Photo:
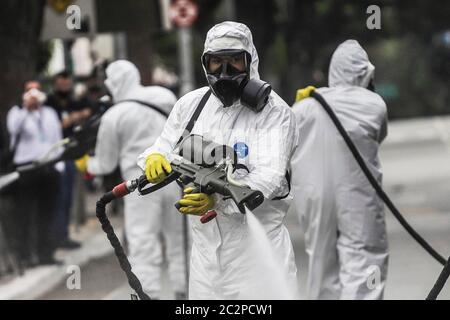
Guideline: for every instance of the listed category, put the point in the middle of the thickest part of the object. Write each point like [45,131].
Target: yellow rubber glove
[195,203]
[82,163]
[156,168]
[304,93]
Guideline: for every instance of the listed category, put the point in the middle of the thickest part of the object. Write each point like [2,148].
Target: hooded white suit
[265,142]
[125,130]
[341,213]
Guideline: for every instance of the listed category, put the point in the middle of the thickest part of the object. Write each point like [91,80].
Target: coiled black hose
[133,281]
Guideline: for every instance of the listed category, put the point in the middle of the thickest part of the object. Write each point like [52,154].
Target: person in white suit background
[343,217]
[126,129]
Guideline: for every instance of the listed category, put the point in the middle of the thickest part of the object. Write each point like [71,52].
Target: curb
[38,281]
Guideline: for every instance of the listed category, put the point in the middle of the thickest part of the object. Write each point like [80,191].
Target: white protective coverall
[219,263]
[342,215]
[125,130]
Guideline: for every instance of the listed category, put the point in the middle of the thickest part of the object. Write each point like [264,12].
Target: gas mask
[228,74]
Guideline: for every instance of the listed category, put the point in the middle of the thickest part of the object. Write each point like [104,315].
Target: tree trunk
[139,48]
[19,34]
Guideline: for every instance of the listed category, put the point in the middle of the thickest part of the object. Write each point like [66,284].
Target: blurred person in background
[343,217]
[70,113]
[33,129]
[91,97]
[8,195]
[127,128]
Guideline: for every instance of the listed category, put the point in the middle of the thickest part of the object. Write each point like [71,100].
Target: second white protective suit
[341,213]
[264,142]
[125,130]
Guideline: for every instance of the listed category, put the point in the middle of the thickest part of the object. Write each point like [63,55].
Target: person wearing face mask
[135,121]
[240,111]
[341,213]
[71,113]
[34,128]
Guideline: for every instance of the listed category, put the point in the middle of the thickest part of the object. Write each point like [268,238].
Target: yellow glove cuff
[304,93]
[82,163]
[195,203]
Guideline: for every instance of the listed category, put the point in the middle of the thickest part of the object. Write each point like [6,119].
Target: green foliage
[296,38]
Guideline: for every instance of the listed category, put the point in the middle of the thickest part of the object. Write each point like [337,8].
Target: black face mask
[63,94]
[371,86]
[227,88]
[227,83]
[230,85]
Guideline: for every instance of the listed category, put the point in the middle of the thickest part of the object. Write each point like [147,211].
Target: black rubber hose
[440,283]
[134,282]
[374,182]
[186,252]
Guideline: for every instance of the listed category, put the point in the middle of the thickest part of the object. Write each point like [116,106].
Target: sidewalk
[40,280]
[417,131]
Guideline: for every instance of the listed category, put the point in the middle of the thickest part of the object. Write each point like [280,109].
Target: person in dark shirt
[71,113]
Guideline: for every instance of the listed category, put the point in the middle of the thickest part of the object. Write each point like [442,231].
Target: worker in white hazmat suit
[126,129]
[343,218]
[264,143]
